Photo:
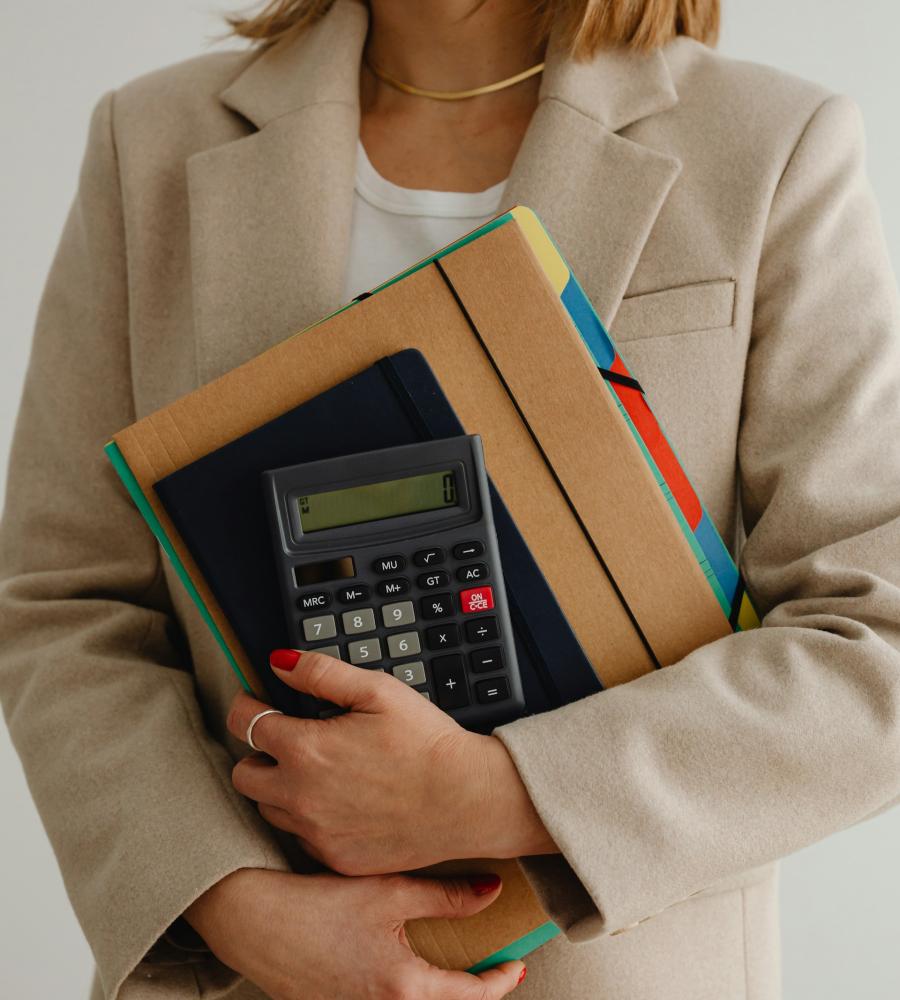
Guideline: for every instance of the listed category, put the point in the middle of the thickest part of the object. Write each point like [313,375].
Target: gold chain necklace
[454,95]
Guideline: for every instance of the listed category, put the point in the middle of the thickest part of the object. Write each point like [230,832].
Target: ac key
[442,636]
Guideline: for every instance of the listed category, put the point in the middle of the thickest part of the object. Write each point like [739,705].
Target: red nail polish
[522,975]
[284,659]
[483,884]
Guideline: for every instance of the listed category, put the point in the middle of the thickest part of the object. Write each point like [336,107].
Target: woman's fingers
[257,777]
[270,733]
[414,897]
[411,897]
[490,985]
[328,678]
[283,820]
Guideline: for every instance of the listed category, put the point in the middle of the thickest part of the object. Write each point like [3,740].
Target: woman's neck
[452,44]
[463,145]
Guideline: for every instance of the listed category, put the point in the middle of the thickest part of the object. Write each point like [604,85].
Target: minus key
[484,660]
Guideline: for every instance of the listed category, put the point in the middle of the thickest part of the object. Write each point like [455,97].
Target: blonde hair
[586,25]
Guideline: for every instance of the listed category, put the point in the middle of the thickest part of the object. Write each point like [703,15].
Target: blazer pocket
[704,305]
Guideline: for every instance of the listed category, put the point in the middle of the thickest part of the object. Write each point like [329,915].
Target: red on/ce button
[476,599]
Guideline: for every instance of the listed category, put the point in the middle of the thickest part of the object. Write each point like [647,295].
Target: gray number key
[401,613]
[334,651]
[410,673]
[364,651]
[362,620]
[404,644]
[321,627]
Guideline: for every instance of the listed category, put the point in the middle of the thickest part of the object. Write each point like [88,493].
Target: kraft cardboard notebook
[618,533]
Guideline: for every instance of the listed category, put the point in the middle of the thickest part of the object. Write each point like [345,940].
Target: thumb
[443,897]
[325,677]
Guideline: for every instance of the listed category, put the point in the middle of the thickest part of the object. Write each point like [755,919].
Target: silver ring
[253,721]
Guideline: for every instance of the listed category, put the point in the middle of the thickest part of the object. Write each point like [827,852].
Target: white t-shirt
[393,227]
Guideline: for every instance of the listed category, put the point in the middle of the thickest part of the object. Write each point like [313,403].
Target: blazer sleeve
[97,691]
[764,741]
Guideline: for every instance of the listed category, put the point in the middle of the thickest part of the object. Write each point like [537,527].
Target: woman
[719,217]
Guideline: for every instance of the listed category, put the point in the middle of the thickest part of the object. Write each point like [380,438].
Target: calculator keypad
[383,632]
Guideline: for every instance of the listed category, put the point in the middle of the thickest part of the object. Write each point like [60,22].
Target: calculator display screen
[376,501]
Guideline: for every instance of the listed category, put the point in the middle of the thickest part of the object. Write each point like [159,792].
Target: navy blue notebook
[217,505]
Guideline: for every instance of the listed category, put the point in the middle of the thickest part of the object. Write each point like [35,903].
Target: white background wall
[841,928]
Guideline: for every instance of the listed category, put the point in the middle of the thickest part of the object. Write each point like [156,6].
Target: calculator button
[353,595]
[410,673]
[401,613]
[473,573]
[476,599]
[364,651]
[425,695]
[428,581]
[355,622]
[321,627]
[314,601]
[493,690]
[334,651]
[483,661]
[393,588]
[437,606]
[450,681]
[429,557]
[403,644]
[482,630]
[468,550]
[442,636]
[386,565]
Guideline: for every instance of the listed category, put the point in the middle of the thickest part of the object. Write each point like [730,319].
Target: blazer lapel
[598,192]
[270,212]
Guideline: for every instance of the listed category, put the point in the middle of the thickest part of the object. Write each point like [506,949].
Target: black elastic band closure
[627,380]
[736,602]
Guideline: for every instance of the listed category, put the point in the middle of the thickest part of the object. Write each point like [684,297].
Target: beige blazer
[719,217]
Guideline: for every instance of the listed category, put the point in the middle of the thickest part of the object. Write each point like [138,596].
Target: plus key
[449,675]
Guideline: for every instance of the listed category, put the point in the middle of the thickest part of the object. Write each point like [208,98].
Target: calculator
[388,560]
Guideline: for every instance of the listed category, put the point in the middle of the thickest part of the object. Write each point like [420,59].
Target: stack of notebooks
[612,566]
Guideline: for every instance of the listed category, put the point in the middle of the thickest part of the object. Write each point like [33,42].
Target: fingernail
[483,884]
[522,975]
[284,659]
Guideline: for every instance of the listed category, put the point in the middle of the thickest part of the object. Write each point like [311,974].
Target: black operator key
[449,675]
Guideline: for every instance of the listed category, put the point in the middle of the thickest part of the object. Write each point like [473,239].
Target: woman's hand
[394,784]
[324,937]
